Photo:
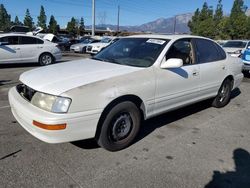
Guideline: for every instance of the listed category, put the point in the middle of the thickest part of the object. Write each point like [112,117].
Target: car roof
[16,34]
[167,36]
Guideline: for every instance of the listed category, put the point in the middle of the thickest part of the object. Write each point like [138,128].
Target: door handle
[195,73]
[223,67]
[16,48]
[39,47]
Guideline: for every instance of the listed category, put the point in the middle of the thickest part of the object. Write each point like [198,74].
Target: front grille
[25,91]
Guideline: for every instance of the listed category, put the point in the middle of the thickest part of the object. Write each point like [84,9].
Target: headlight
[238,52]
[51,103]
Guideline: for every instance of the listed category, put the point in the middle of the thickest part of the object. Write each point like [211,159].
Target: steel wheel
[46,59]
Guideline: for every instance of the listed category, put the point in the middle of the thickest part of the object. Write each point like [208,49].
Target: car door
[30,48]
[10,49]
[178,86]
[213,66]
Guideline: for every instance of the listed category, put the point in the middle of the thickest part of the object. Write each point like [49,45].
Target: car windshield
[87,41]
[235,44]
[138,52]
[105,40]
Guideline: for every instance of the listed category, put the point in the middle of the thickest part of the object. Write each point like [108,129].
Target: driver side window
[182,49]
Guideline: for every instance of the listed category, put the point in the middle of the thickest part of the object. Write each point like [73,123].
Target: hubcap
[121,127]
[46,60]
[224,92]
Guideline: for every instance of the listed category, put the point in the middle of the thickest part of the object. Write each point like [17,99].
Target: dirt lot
[198,146]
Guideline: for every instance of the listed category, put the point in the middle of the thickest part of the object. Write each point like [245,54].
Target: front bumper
[81,125]
[246,66]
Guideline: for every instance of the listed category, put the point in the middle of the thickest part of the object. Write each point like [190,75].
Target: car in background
[81,47]
[63,43]
[235,47]
[136,78]
[22,48]
[97,47]
[246,61]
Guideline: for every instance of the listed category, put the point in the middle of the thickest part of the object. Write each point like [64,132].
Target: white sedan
[94,48]
[108,96]
[21,48]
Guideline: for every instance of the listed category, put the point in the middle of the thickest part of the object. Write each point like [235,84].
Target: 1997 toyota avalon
[136,78]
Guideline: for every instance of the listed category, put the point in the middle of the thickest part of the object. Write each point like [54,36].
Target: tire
[224,94]
[120,127]
[46,59]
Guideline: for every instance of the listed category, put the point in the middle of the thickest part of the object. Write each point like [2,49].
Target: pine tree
[82,26]
[218,16]
[5,19]
[193,24]
[42,19]
[17,22]
[205,24]
[28,20]
[72,26]
[238,20]
[53,27]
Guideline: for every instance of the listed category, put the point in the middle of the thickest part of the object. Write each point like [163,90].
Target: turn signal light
[50,127]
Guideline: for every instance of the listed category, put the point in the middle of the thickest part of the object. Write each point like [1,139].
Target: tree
[28,20]
[17,22]
[72,26]
[218,16]
[5,19]
[193,24]
[53,27]
[81,26]
[42,19]
[238,20]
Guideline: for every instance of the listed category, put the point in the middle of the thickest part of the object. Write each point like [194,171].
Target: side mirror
[3,43]
[172,63]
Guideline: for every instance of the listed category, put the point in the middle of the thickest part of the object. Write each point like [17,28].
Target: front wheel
[120,127]
[46,59]
[224,94]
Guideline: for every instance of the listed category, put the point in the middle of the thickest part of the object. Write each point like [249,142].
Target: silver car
[81,47]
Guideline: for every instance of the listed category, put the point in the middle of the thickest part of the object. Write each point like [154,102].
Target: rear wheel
[224,94]
[46,59]
[120,127]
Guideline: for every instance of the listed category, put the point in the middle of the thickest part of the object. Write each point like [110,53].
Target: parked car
[246,61]
[235,47]
[21,48]
[81,47]
[108,96]
[63,43]
[94,48]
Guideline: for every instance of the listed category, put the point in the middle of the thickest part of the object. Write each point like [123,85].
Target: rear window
[235,44]
[208,51]
[31,40]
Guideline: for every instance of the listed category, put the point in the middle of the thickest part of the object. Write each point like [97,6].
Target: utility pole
[174,23]
[93,17]
[118,19]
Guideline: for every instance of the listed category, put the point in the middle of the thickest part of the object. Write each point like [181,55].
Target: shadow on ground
[152,124]
[239,178]
[18,65]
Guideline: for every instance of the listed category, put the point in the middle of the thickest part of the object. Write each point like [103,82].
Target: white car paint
[26,53]
[92,85]
[97,47]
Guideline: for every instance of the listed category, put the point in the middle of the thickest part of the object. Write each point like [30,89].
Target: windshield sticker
[156,41]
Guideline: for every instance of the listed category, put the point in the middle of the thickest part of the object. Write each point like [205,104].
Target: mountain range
[161,25]
[177,24]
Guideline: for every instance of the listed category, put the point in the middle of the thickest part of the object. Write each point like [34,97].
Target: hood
[59,78]
[231,50]
[101,44]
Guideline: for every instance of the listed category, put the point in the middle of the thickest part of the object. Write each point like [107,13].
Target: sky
[132,12]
